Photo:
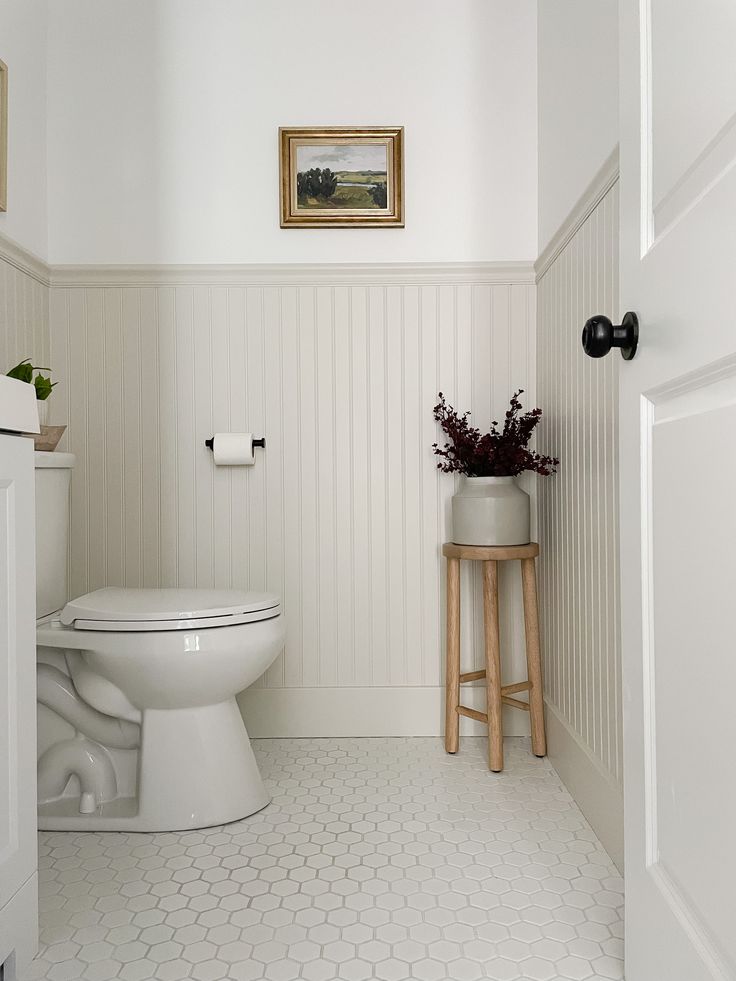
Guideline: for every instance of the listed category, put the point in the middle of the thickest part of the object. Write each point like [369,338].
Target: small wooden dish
[48,439]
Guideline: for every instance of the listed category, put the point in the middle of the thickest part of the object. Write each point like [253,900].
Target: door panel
[693,685]
[693,83]
[677,403]
[689,84]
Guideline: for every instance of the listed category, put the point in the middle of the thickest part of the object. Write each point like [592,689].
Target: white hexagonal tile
[377,859]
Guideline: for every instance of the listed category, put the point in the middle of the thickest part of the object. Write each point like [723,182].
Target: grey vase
[490,511]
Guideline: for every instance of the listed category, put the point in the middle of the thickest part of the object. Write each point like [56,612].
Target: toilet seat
[122,610]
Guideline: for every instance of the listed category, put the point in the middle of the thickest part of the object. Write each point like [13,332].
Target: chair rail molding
[295,274]
[24,261]
[264,274]
[598,188]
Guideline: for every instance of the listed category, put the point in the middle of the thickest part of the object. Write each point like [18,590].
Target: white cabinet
[18,847]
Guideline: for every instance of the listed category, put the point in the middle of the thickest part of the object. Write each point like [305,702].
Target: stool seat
[490,553]
[497,695]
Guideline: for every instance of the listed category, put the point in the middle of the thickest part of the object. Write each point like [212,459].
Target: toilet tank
[53,479]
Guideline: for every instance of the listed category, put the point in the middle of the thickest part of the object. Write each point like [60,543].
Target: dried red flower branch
[499,453]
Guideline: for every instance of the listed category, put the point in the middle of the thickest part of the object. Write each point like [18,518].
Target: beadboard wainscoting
[344,512]
[24,307]
[578,510]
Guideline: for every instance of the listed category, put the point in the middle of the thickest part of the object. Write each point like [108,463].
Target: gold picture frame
[3,136]
[342,177]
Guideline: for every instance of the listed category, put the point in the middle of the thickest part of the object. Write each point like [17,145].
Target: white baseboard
[594,789]
[302,712]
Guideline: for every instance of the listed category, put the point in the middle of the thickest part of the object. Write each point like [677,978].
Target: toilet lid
[116,608]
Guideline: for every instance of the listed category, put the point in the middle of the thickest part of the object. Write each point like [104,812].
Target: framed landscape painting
[332,176]
[3,136]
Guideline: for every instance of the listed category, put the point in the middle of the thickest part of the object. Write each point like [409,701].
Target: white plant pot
[490,511]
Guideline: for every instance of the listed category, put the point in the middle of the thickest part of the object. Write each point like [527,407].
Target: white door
[18,881]
[678,486]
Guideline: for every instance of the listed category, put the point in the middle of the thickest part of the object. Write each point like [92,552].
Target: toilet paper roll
[233,449]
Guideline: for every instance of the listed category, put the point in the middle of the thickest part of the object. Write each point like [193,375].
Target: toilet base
[196,770]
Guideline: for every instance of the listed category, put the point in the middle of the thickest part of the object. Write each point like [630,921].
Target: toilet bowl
[139,729]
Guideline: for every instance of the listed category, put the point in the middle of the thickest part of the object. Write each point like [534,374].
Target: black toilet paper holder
[210,443]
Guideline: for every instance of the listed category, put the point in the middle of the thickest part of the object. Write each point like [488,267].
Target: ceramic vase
[490,511]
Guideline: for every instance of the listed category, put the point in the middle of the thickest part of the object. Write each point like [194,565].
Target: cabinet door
[18,848]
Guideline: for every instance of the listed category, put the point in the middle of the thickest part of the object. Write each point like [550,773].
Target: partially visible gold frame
[3,136]
[293,217]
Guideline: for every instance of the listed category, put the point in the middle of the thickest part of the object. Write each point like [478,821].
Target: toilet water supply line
[82,756]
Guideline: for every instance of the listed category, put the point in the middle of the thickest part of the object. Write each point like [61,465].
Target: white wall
[23,49]
[578,101]
[163,118]
[344,512]
[24,294]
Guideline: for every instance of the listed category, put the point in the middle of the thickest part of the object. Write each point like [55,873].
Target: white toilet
[138,727]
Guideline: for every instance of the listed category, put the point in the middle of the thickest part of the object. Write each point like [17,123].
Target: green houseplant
[28,372]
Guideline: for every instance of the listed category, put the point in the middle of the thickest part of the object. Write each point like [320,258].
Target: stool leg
[493,666]
[533,657]
[452,669]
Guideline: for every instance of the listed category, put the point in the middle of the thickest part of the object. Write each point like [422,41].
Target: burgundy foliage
[499,453]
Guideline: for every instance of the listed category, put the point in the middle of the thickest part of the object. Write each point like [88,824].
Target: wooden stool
[497,694]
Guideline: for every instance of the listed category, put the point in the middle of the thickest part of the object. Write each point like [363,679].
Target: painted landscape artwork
[3,136]
[342,176]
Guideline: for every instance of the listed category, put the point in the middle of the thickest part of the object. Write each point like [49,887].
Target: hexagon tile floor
[378,859]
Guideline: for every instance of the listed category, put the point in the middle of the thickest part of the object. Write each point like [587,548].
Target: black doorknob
[600,335]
